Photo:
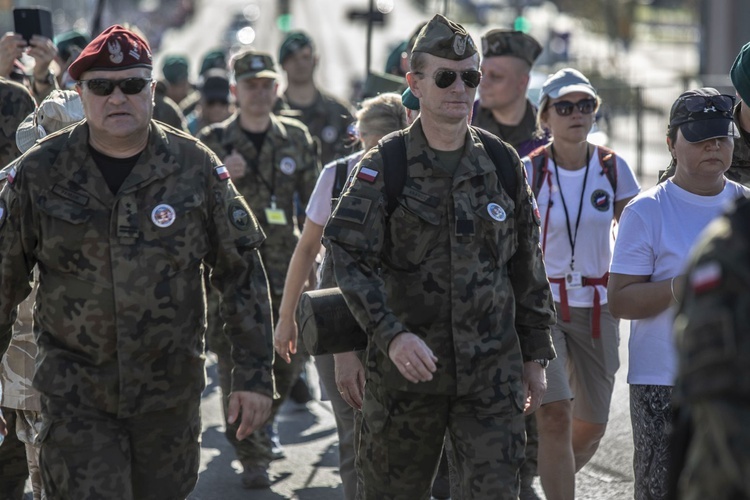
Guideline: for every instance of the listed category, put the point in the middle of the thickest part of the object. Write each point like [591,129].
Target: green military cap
[293,42]
[175,69]
[740,73]
[505,42]
[444,38]
[213,59]
[253,64]
[67,41]
[409,100]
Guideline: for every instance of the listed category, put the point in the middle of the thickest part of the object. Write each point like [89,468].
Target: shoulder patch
[352,209]
[3,213]
[221,172]
[367,174]
[705,277]
[239,215]
[11,175]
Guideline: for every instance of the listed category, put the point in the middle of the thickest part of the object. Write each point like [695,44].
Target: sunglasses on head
[444,78]
[104,87]
[700,103]
[565,108]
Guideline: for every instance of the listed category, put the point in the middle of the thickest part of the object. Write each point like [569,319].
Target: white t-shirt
[593,240]
[657,230]
[319,207]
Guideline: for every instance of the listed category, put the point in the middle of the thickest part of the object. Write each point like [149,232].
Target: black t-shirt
[114,170]
[256,138]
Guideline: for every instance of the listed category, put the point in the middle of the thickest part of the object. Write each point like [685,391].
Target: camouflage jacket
[16,104]
[287,164]
[523,137]
[120,311]
[457,263]
[712,321]
[328,121]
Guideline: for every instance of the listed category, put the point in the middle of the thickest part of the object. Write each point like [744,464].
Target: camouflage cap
[505,42]
[253,64]
[444,38]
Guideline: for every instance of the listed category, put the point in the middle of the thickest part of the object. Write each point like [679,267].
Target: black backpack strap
[500,155]
[393,151]
[341,177]
[608,161]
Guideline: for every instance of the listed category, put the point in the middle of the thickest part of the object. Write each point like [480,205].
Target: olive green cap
[253,64]
[442,37]
[175,68]
[504,42]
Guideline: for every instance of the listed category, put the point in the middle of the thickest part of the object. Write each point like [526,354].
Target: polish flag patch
[11,175]
[705,277]
[221,172]
[367,174]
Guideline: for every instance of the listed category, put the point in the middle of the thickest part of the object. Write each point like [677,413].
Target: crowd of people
[484,245]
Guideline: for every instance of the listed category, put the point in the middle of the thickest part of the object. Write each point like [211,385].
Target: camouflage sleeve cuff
[253,381]
[387,331]
[537,344]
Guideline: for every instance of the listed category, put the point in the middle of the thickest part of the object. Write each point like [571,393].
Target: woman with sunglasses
[578,204]
[657,231]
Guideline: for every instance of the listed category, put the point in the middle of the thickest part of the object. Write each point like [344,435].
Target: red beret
[115,48]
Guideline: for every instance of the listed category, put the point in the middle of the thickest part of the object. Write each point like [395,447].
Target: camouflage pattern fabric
[16,104]
[287,162]
[402,436]
[88,454]
[739,171]
[448,260]
[166,111]
[712,386]
[464,272]
[328,121]
[126,337]
[505,42]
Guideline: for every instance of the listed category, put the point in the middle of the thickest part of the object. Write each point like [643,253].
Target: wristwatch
[543,362]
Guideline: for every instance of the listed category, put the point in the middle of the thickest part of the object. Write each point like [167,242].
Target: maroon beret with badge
[116,48]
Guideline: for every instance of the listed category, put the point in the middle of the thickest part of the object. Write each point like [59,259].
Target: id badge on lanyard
[274,215]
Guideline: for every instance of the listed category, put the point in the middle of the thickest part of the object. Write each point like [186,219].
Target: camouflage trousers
[254,450]
[718,456]
[87,454]
[13,467]
[402,434]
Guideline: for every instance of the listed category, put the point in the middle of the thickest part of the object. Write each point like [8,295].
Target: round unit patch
[329,134]
[163,215]
[239,216]
[600,200]
[288,165]
[496,212]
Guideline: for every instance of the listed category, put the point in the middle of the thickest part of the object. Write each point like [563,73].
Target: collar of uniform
[417,150]
[157,161]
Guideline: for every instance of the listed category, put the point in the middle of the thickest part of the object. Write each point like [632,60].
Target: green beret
[409,100]
[504,42]
[67,41]
[253,64]
[294,41]
[214,59]
[740,73]
[444,38]
[175,69]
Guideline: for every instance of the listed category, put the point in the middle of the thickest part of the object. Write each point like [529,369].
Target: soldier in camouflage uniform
[326,117]
[15,103]
[121,214]
[271,159]
[504,110]
[712,390]
[451,289]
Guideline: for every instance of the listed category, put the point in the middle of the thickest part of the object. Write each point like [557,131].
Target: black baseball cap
[703,114]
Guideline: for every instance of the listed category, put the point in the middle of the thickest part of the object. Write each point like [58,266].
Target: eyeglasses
[444,78]
[104,87]
[700,103]
[565,108]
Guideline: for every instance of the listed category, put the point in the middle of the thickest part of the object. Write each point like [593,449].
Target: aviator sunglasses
[444,78]
[104,87]
[585,106]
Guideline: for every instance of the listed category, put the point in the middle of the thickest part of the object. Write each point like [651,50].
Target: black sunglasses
[700,103]
[444,78]
[103,87]
[565,108]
